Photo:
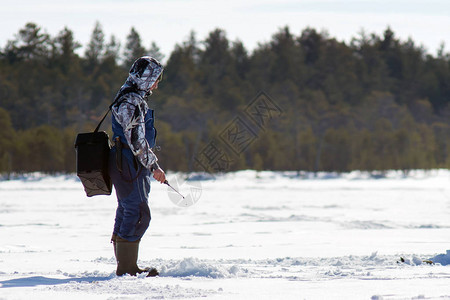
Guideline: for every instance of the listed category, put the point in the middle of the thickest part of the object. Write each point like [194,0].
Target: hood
[143,74]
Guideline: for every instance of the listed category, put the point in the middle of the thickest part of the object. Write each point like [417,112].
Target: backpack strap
[103,119]
[116,100]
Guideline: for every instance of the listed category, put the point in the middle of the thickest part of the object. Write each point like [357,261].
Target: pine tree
[155,52]
[133,48]
[64,50]
[112,50]
[30,44]
[96,47]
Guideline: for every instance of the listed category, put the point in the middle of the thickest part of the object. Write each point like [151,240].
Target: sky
[169,22]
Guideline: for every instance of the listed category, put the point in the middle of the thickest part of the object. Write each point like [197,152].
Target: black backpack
[92,150]
[93,155]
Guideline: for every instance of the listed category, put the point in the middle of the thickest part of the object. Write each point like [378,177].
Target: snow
[241,235]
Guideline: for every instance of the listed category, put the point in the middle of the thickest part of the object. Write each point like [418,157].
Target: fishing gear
[167,183]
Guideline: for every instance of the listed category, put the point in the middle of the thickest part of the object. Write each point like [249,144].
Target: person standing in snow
[132,161]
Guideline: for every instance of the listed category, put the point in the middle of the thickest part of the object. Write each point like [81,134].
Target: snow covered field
[270,235]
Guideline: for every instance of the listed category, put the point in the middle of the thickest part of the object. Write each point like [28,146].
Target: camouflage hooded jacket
[132,118]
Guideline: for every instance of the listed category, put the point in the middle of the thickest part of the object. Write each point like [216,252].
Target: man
[132,161]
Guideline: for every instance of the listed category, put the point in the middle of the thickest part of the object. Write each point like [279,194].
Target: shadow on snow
[41,280]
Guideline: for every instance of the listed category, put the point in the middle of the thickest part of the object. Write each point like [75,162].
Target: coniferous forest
[376,103]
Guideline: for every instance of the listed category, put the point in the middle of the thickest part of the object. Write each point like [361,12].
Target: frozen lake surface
[266,235]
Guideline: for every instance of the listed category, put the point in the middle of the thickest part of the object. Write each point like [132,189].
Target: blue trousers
[132,187]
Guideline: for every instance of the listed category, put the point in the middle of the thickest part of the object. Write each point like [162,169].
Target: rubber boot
[113,241]
[126,256]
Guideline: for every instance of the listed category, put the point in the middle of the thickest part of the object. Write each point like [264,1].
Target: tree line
[375,103]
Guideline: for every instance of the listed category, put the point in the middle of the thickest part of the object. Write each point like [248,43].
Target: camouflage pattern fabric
[131,108]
